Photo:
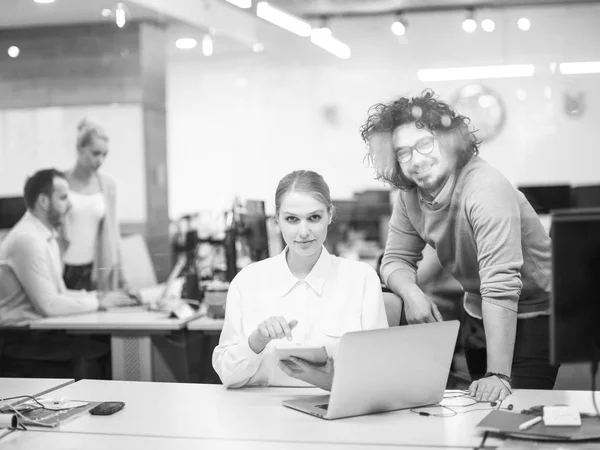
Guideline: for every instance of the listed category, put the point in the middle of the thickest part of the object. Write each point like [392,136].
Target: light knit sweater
[486,235]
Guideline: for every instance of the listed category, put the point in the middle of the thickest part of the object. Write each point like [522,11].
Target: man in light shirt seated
[31,283]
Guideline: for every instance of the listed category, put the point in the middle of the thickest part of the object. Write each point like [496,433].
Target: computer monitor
[255,221]
[585,196]
[547,198]
[11,211]
[575,300]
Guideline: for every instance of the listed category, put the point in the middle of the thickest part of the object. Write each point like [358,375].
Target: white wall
[37,138]
[236,126]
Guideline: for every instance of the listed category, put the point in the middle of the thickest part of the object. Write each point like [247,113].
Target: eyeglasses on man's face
[423,146]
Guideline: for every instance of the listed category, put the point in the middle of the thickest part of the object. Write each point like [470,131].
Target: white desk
[197,411]
[11,387]
[177,415]
[60,441]
[133,355]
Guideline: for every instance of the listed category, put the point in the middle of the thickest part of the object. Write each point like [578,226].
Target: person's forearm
[256,342]
[500,330]
[403,283]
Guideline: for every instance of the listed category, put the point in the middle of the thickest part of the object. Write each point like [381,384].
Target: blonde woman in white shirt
[303,296]
[91,231]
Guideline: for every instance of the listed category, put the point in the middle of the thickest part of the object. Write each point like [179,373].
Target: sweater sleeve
[404,246]
[494,215]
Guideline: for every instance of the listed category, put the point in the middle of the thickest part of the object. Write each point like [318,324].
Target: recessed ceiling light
[44,1]
[185,43]
[13,51]
[106,12]
[398,28]
[524,24]
[469,25]
[488,25]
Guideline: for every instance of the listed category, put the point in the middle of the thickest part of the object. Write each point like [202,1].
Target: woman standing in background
[91,231]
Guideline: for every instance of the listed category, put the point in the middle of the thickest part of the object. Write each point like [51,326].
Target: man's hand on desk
[319,376]
[489,389]
[115,299]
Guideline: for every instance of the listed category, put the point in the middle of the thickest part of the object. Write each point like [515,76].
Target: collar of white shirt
[315,279]
[40,227]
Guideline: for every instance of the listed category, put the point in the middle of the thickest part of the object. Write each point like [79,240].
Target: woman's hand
[320,376]
[489,389]
[275,327]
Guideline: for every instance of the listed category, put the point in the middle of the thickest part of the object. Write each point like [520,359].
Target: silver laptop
[387,369]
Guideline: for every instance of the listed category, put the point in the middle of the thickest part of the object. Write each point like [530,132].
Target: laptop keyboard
[323,406]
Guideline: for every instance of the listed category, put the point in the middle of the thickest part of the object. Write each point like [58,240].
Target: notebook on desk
[504,422]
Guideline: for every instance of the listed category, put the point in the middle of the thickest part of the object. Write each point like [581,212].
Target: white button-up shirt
[336,297]
[31,284]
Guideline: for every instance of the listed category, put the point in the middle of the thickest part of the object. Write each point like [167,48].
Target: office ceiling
[237,30]
[312,8]
[27,13]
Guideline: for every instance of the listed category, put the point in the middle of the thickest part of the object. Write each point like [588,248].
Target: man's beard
[55,218]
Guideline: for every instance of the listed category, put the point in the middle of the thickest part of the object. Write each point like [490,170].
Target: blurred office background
[208,105]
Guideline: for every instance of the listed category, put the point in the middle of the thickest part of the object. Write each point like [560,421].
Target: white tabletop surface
[256,414]
[125,319]
[60,441]
[11,387]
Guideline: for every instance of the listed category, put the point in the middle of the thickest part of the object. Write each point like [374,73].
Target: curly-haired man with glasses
[484,232]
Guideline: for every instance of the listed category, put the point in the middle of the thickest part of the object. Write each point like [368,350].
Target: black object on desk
[107,408]
[507,423]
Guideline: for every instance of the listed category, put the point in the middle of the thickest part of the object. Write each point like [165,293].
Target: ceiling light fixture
[477,73]
[186,43]
[283,19]
[121,14]
[524,24]
[13,51]
[207,45]
[323,38]
[577,68]
[244,4]
[469,24]
[399,26]
[106,12]
[43,1]
[488,25]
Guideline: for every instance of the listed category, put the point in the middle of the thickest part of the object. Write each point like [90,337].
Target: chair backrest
[393,308]
[138,269]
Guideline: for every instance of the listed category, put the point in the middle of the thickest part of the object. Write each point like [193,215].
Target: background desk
[134,354]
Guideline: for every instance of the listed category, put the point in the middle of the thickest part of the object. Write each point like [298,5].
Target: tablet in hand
[314,355]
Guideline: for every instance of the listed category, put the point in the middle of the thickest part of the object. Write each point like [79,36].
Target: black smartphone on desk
[107,408]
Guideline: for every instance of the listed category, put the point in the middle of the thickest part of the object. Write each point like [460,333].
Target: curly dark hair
[425,111]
